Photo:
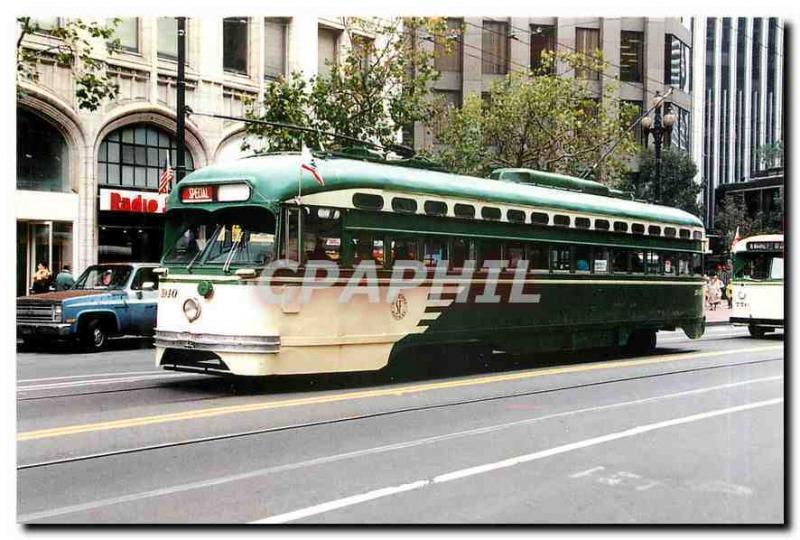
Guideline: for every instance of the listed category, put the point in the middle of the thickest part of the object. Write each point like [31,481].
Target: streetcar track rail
[378,414]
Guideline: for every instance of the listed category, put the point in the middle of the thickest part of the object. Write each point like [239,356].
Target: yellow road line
[383,392]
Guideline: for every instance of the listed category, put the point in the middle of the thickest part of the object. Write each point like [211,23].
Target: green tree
[542,121]
[770,155]
[369,95]
[732,215]
[76,50]
[678,188]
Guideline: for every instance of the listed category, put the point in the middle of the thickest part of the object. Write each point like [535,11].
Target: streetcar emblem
[399,307]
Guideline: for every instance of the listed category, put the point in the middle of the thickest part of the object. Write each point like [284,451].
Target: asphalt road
[691,434]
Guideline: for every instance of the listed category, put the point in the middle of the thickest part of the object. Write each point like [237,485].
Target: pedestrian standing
[41,279]
[64,279]
[715,292]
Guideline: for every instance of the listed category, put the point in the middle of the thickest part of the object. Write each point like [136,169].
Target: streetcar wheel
[642,342]
[756,332]
[94,336]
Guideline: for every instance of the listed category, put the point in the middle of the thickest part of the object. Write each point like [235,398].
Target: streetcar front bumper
[191,341]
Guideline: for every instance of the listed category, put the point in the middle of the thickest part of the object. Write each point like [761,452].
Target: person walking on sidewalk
[64,279]
[714,292]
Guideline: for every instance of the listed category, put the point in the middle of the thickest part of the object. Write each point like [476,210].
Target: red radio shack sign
[124,200]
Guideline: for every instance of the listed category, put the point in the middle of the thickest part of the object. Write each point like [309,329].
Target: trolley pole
[180,113]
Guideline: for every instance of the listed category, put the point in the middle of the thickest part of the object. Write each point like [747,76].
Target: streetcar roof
[742,245]
[275,178]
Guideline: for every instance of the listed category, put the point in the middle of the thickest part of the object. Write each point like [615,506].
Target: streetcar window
[404,249]
[244,237]
[540,218]
[683,264]
[515,252]
[561,220]
[560,258]
[670,232]
[435,208]
[490,251]
[517,216]
[697,264]
[620,226]
[367,247]
[637,228]
[637,262]
[292,232]
[653,262]
[434,250]
[685,233]
[669,263]
[192,237]
[583,258]
[621,261]
[464,211]
[776,270]
[401,204]
[654,230]
[490,212]
[697,235]
[462,250]
[582,222]
[601,255]
[601,224]
[367,201]
[322,234]
[537,255]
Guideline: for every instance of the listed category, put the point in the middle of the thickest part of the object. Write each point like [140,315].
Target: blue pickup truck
[106,300]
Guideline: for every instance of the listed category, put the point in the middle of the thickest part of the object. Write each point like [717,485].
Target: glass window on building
[327,49]
[448,49]
[682,129]
[677,63]
[42,154]
[587,42]
[634,110]
[495,46]
[631,56]
[363,48]
[167,28]
[543,38]
[127,31]
[234,44]
[275,47]
[135,156]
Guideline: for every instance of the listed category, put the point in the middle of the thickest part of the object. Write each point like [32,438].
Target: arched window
[136,155]
[42,154]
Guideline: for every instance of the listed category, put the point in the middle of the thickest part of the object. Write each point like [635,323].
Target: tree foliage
[732,213]
[678,188]
[770,155]
[369,95]
[76,50]
[540,120]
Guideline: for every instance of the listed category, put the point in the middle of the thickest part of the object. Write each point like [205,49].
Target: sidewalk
[718,316]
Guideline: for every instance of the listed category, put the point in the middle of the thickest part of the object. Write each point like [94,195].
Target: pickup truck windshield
[104,277]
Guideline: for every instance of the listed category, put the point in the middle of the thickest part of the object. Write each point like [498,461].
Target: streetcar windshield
[240,237]
[758,266]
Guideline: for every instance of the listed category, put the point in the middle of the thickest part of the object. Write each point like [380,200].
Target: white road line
[359,453]
[511,462]
[72,384]
[89,375]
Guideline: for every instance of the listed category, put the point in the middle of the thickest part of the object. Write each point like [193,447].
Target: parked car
[106,300]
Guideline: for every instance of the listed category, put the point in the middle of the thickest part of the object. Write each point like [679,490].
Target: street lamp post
[659,126]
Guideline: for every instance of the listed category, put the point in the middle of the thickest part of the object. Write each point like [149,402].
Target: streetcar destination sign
[765,246]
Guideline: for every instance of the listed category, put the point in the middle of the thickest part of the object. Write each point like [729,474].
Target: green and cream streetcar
[758,283]
[599,269]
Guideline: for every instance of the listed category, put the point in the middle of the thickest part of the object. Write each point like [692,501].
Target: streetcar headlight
[191,308]
[742,295]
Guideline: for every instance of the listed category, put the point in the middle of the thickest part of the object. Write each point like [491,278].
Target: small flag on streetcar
[736,238]
[308,163]
[165,180]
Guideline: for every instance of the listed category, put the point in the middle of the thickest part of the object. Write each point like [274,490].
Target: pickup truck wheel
[94,336]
